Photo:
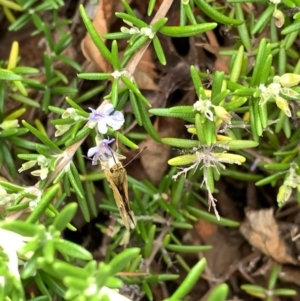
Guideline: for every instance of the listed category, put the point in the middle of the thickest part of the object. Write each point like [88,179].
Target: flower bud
[246,116]
[146,31]
[124,29]
[27,165]
[9,124]
[289,93]
[279,18]
[282,104]
[223,138]
[289,79]
[69,113]
[218,123]
[183,160]
[222,114]
[284,194]
[42,173]
[42,161]
[229,158]
[61,129]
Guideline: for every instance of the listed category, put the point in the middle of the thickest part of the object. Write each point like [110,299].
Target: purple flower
[101,152]
[104,118]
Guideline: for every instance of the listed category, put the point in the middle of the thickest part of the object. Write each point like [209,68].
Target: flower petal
[103,145]
[107,109]
[209,115]
[102,127]
[112,295]
[116,120]
[92,151]
[15,243]
[95,159]
[117,115]
[95,115]
[114,124]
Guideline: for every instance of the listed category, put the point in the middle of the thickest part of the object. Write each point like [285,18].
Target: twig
[258,156]
[161,13]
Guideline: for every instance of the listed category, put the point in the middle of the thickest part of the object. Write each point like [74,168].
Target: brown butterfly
[117,178]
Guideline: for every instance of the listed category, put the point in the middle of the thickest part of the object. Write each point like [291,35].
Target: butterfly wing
[120,192]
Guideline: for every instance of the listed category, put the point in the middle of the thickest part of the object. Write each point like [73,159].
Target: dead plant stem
[161,13]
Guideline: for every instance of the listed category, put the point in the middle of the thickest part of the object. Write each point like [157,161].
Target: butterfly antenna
[112,153]
[136,156]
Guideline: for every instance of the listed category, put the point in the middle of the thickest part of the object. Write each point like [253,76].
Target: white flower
[147,31]
[11,243]
[273,91]
[204,107]
[112,294]
[43,162]
[101,152]
[104,118]
[133,30]
[61,129]
[117,74]
[71,113]
[27,165]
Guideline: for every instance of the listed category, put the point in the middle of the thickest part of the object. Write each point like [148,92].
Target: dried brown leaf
[101,22]
[220,239]
[145,73]
[262,232]
[144,81]
[146,64]
[290,274]
[154,159]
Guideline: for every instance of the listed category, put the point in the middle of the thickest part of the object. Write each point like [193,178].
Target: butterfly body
[117,178]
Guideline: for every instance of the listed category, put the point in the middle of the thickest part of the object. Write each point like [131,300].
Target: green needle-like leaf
[187,249]
[180,143]
[190,280]
[65,216]
[41,207]
[71,249]
[9,75]
[216,15]
[149,244]
[187,31]
[212,218]
[219,293]
[42,137]
[94,35]
[75,181]
[120,261]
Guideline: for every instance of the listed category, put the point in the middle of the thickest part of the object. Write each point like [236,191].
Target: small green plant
[253,105]
[270,293]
